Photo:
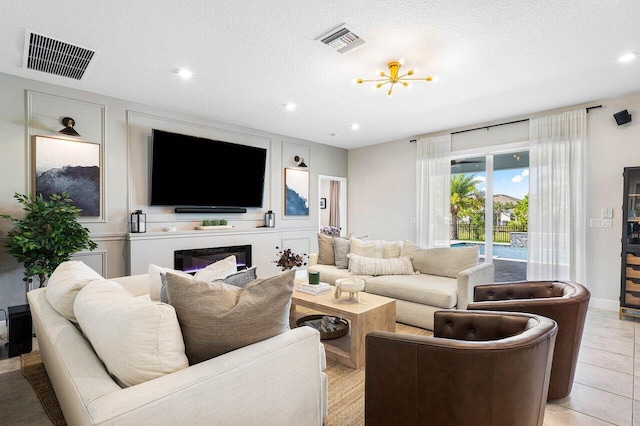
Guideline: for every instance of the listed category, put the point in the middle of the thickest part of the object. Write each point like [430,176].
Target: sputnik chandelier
[393,77]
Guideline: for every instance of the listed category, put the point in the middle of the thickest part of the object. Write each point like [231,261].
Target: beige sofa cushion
[424,289]
[391,249]
[360,265]
[217,318]
[136,339]
[442,261]
[64,284]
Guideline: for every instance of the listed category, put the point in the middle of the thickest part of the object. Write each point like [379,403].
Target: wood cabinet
[630,275]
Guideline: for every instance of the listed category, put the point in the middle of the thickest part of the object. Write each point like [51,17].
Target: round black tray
[343,326]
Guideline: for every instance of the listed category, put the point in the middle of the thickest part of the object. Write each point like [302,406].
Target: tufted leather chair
[480,368]
[563,301]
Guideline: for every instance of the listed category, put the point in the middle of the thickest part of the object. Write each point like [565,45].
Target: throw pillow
[217,318]
[360,265]
[241,278]
[157,283]
[136,339]
[218,270]
[325,250]
[341,250]
[64,284]
[373,248]
[391,249]
[443,261]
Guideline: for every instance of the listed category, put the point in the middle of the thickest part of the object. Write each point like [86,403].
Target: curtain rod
[504,124]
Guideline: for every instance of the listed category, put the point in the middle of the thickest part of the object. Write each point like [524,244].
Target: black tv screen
[193,171]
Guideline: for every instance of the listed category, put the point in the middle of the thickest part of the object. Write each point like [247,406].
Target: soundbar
[210,210]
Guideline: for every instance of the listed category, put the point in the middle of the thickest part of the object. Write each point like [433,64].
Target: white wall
[382,185]
[122,128]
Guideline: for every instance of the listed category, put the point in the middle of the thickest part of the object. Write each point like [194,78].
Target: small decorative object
[330,327]
[351,285]
[47,235]
[323,203]
[289,260]
[269,219]
[138,222]
[314,277]
[214,224]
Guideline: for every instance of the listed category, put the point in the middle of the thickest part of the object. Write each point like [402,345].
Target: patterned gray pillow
[341,249]
[216,318]
[240,278]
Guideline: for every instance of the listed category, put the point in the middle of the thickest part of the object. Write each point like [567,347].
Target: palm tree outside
[464,198]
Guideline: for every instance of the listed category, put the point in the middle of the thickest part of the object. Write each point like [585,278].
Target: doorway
[332,206]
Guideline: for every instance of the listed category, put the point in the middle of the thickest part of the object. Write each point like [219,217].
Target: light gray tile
[613,333]
[622,347]
[614,323]
[557,415]
[604,379]
[599,404]
[605,359]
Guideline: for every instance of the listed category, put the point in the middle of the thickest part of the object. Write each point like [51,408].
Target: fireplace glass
[193,260]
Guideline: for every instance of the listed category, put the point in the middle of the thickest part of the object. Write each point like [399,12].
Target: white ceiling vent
[341,39]
[45,54]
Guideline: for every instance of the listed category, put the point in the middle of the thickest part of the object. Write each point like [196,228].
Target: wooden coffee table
[372,313]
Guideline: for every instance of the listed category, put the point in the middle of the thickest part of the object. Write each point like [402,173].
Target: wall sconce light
[68,124]
[299,161]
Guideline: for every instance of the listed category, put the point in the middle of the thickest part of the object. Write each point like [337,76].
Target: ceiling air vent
[53,56]
[341,39]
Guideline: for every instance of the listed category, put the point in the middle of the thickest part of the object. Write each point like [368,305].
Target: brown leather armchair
[480,368]
[563,301]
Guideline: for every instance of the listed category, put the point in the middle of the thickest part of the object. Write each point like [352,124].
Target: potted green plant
[47,235]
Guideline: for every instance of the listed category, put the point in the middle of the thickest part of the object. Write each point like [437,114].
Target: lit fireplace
[193,260]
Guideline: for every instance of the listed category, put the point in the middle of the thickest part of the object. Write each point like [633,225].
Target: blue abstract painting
[296,184]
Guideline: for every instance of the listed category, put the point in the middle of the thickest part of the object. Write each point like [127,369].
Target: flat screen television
[193,171]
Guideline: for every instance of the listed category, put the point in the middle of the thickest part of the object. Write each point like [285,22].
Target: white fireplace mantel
[158,247]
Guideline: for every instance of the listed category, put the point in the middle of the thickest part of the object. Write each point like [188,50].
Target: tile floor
[606,389]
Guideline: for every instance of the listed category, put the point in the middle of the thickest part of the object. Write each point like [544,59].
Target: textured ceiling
[494,59]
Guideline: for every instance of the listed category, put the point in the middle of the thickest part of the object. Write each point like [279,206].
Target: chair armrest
[313,259]
[483,273]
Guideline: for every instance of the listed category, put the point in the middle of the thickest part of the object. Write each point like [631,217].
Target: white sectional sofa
[277,381]
[440,278]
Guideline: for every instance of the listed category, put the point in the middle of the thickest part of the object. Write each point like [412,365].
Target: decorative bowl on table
[330,327]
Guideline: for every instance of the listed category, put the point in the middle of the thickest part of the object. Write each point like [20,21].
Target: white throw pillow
[218,270]
[155,280]
[136,339]
[64,284]
[391,249]
[360,265]
[373,248]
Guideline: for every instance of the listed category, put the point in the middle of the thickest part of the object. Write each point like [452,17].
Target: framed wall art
[296,187]
[71,166]
[323,203]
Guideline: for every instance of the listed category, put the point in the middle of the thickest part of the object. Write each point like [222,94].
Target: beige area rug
[346,387]
[33,370]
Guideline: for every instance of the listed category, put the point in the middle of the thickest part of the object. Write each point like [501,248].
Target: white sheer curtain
[433,172]
[557,197]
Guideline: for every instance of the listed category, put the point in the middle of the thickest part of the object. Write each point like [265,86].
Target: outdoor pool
[501,251]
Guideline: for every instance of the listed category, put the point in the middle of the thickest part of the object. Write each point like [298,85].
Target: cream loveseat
[421,281]
[276,381]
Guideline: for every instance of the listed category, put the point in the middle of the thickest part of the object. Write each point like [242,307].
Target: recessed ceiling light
[628,57]
[355,126]
[185,73]
[290,106]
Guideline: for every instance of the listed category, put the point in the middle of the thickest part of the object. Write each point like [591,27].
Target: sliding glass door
[489,206]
